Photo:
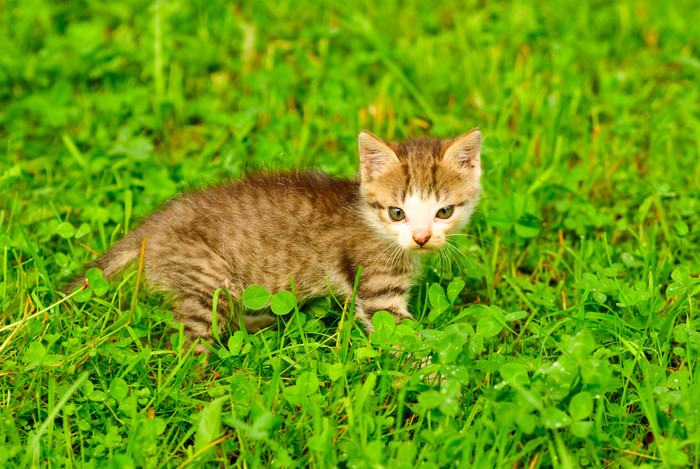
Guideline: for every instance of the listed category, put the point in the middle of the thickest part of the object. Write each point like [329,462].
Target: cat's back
[283,194]
[257,205]
[317,187]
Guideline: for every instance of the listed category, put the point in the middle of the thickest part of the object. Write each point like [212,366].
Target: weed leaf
[282,302]
[256,297]
[209,424]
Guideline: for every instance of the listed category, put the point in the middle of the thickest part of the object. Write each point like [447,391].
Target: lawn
[562,332]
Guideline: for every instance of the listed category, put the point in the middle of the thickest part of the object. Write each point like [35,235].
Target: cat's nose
[421,238]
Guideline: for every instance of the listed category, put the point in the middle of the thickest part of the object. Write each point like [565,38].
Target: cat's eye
[396,214]
[445,212]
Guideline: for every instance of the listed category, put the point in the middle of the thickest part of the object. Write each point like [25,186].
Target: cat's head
[419,191]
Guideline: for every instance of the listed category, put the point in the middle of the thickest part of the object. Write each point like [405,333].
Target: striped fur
[307,226]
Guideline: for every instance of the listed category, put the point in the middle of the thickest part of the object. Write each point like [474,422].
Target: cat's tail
[115,260]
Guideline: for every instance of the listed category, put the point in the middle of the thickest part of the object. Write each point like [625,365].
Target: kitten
[265,229]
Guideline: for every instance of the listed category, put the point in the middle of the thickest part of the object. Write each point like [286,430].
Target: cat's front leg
[366,308]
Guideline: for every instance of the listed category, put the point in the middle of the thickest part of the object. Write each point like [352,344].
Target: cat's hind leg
[196,315]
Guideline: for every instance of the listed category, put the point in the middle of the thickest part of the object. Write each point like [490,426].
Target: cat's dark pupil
[396,214]
[445,212]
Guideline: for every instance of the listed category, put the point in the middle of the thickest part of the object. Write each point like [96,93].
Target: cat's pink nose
[421,238]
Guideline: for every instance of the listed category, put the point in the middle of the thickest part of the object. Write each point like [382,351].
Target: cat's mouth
[424,249]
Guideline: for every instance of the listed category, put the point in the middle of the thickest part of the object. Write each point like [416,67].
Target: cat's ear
[375,154]
[465,151]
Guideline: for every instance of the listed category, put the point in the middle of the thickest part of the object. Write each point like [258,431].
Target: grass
[575,340]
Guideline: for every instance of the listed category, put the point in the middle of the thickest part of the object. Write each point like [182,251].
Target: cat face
[420,191]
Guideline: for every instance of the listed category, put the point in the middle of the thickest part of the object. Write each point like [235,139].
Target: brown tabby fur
[307,226]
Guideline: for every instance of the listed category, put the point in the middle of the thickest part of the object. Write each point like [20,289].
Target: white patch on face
[422,226]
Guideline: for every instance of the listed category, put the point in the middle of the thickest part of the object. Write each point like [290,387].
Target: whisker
[464,256]
[467,235]
[446,261]
[449,259]
[455,257]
